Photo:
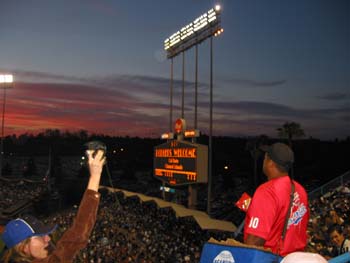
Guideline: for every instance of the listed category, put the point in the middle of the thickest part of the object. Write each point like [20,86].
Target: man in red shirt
[268,210]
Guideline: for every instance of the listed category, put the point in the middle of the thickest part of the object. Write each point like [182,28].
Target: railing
[331,185]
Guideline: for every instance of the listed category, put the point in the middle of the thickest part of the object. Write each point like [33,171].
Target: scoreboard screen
[180,162]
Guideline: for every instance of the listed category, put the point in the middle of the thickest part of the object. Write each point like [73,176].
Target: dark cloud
[155,106]
[277,110]
[336,96]
[252,83]
[157,85]
[34,106]
[259,108]
[346,118]
[134,83]
[135,105]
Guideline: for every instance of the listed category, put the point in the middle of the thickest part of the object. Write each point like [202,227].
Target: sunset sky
[99,65]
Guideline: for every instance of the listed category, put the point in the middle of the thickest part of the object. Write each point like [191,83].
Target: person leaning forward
[268,210]
[27,239]
[338,239]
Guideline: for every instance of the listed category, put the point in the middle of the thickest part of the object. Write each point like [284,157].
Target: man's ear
[270,163]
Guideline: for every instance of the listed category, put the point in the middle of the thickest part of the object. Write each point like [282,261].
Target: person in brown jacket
[27,239]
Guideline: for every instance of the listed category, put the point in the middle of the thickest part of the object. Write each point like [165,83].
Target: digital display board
[181,162]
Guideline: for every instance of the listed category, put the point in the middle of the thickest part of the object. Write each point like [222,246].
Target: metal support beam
[183,86]
[2,133]
[210,161]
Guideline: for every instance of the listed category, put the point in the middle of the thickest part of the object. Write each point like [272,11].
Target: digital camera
[95,146]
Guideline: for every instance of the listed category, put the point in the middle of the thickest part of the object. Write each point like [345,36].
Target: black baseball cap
[280,153]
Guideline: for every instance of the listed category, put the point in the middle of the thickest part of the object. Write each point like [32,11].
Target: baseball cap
[20,229]
[280,153]
[303,257]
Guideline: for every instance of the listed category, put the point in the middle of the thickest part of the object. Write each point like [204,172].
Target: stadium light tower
[205,26]
[6,81]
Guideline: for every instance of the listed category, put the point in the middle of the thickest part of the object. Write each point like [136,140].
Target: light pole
[6,81]
[203,27]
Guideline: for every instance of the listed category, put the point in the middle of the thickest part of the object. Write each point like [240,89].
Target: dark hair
[320,241]
[335,227]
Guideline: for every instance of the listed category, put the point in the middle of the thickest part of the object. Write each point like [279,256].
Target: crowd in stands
[12,192]
[133,231]
[327,211]
[128,230]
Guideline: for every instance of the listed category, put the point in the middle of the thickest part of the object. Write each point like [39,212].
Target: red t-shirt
[267,213]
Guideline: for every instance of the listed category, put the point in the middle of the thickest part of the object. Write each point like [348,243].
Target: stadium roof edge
[202,219]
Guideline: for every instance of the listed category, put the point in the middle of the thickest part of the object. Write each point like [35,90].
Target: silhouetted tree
[290,130]
[83,135]
[52,133]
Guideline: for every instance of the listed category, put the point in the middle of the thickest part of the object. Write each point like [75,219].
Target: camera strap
[291,198]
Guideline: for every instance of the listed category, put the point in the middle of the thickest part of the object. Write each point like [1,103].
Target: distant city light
[167,189]
[167,136]
[7,78]
[191,133]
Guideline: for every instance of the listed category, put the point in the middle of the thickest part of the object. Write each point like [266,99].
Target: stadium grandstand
[133,227]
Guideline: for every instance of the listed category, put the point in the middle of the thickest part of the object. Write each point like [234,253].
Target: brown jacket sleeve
[76,237]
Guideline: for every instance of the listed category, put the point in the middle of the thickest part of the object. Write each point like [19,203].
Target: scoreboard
[181,162]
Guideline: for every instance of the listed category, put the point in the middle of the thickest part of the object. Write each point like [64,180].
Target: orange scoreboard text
[180,162]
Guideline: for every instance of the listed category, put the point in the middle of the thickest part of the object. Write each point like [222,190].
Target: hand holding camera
[94,146]
[95,152]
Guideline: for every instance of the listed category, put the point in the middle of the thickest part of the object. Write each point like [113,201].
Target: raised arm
[95,167]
